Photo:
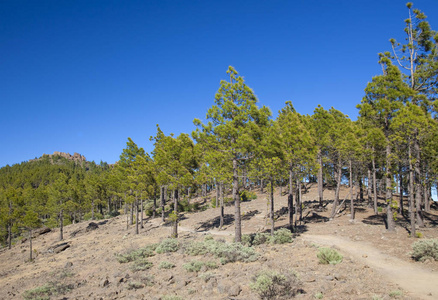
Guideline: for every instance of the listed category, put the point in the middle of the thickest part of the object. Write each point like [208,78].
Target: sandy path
[409,276]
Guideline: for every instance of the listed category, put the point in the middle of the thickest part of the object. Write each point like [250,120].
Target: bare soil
[376,264]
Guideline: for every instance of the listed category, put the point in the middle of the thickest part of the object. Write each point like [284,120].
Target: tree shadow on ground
[215,222]
[375,220]
[313,217]
[431,219]
[250,214]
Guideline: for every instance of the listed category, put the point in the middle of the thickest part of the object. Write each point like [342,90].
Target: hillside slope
[89,268]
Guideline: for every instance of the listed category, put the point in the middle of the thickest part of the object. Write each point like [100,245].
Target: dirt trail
[420,282]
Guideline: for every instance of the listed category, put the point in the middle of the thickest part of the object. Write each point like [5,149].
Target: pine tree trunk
[221,195]
[271,216]
[411,193]
[261,185]
[338,174]
[175,210]
[162,198]
[290,200]
[389,215]
[360,189]
[370,197]
[417,178]
[351,191]
[320,178]
[237,217]
[217,194]
[136,214]
[131,222]
[400,179]
[299,202]
[141,213]
[376,211]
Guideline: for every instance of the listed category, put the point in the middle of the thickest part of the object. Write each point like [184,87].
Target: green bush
[141,265]
[166,265]
[47,290]
[193,266]
[133,255]
[184,205]
[196,266]
[247,195]
[282,236]
[273,285]
[168,245]
[425,249]
[329,256]
[225,251]
[135,285]
[395,294]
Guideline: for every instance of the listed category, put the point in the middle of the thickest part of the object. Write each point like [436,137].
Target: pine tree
[234,129]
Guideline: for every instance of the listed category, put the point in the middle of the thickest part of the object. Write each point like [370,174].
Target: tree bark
[400,180]
[272,207]
[141,212]
[338,174]
[376,212]
[136,214]
[417,178]
[370,197]
[290,200]
[221,195]
[320,178]
[175,210]
[237,217]
[389,215]
[351,191]
[162,198]
[411,193]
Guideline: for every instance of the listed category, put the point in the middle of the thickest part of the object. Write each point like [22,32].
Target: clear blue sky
[83,76]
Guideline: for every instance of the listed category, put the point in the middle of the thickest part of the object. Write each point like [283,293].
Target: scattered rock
[69,264]
[104,283]
[58,248]
[234,290]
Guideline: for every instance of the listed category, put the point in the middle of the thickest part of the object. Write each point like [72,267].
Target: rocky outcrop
[76,156]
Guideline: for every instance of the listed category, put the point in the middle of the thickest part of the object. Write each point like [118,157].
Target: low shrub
[135,285]
[282,236]
[133,255]
[166,265]
[395,294]
[193,266]
[329,256]
[141,265]
[273,285]
[227,252]
[319,295]
[47,290]
[168,245]
[425,249]
[196,266]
